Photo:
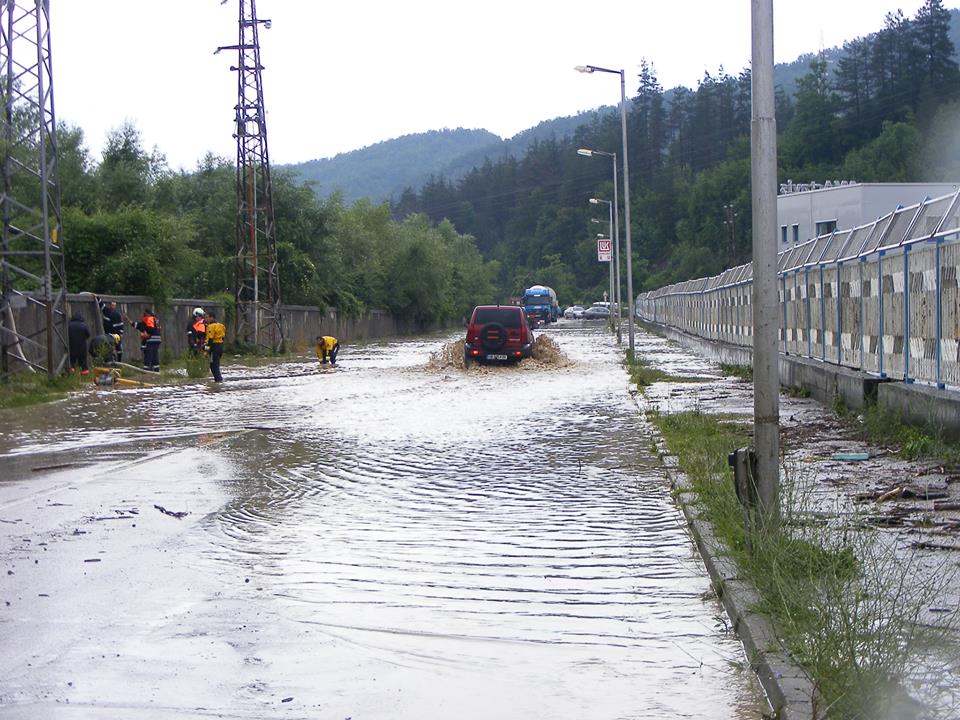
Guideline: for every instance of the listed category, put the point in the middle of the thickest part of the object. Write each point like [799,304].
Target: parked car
[597,311]
[574,311]
[498,333]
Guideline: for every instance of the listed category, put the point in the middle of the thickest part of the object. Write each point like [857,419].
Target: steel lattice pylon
[257,289]
[31,254]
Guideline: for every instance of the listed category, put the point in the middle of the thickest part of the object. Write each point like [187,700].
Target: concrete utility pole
[766,378]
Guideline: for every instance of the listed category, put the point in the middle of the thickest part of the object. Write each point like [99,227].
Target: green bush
[196,365]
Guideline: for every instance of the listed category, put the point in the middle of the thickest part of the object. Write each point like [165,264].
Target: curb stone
[789,689]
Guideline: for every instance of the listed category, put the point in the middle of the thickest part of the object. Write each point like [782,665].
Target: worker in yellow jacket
[327,346]
[215,334]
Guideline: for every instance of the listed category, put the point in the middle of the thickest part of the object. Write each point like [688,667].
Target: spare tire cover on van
[493,336]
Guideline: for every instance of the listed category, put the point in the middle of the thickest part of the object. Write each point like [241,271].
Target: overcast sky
[343,75]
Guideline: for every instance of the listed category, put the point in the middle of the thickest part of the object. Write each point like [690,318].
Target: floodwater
[387,540]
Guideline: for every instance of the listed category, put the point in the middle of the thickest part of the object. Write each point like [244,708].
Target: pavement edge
[789,689]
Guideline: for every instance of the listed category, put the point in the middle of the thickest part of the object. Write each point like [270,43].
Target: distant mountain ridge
[384,170]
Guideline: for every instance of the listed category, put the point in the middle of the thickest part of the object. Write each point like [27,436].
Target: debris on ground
[172,513]
[851,456]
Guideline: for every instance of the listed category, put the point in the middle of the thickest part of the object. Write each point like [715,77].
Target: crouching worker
[215,333]
[327,346]
[103,348]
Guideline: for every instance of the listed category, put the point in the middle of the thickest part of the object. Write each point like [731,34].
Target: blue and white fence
[881,298]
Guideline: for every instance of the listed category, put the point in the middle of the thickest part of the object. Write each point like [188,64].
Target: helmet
[197,311]
[116,338]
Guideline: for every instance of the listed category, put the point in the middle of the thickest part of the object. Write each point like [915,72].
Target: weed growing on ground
[196,365]
[796,392]
[744,372]
[642,372]
[847,608]
[876,425]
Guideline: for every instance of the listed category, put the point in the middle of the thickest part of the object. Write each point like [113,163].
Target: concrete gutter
[790,691]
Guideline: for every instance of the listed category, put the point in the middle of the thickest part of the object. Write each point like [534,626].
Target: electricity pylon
[31,250]
[257,320]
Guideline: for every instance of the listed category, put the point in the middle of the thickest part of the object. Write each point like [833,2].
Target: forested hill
[882,109]
[384,170]
[376,171]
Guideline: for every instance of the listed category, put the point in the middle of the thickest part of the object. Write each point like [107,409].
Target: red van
[498,333]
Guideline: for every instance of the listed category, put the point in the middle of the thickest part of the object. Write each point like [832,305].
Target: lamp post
[616,231]
[626,187]
[609,204]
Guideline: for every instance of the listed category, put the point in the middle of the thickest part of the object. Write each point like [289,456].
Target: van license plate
[496,357]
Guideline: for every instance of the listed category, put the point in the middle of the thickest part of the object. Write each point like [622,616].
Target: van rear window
[508,317]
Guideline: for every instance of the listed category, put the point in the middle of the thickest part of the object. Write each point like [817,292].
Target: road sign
[604,250]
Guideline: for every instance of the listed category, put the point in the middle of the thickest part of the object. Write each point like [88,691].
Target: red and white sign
[604,250]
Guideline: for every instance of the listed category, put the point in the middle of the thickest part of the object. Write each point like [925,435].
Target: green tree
[891,157]
[935,51]
[127,171]
[809,139]
[419,273]
[75,166]
[132,251]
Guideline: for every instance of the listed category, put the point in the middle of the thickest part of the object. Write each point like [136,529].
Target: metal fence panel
[882,297]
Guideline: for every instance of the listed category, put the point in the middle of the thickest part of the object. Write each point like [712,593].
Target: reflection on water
[445,544]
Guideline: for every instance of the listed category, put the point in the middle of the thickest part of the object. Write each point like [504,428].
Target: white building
[808,211]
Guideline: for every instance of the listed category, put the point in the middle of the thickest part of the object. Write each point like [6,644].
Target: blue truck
[540,304]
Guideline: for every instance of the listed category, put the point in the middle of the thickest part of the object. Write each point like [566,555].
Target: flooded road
[382,541]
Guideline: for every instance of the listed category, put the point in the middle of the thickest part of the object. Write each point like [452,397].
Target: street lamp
[616,225]
[626,186]
[609,204]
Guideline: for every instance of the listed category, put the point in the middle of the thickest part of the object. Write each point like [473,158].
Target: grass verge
[881,427]
[642,372]
[25,389]
[847,608]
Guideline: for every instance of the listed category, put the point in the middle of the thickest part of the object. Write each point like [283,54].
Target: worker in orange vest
[197,332]
[149,327]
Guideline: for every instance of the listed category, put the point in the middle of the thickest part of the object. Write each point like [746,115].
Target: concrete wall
[301,323]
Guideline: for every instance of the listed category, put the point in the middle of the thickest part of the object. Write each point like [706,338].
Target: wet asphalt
[387,540]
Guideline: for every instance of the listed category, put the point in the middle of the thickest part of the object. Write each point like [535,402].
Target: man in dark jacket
[149,327]
[78,333]
[112,324]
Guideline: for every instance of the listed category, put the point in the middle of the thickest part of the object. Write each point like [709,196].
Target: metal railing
[881,297]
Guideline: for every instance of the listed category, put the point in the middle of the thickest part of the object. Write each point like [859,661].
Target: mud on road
[546,355]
